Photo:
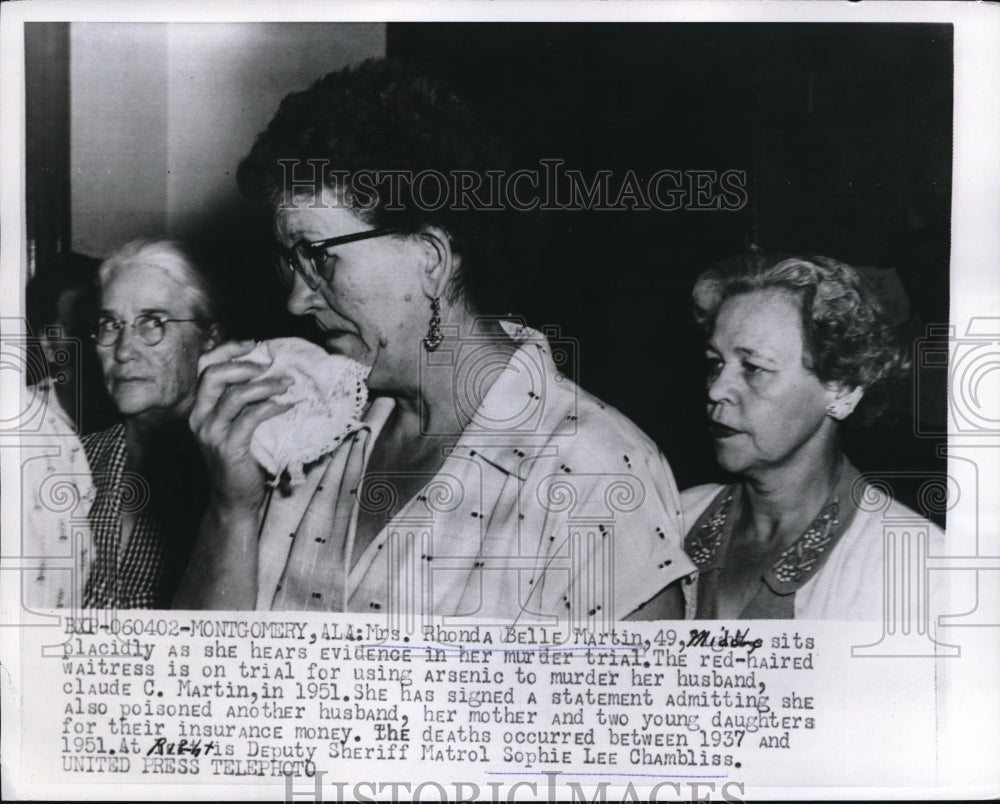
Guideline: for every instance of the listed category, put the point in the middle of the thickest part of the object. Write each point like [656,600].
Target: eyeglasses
[149,327]
[310,260]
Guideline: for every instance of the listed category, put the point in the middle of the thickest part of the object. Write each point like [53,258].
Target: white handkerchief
[328,393]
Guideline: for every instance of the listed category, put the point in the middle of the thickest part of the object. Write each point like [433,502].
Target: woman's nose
[720,385]
[125,345]
[302,299]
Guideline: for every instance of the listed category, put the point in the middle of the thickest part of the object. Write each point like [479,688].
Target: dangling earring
[434,334]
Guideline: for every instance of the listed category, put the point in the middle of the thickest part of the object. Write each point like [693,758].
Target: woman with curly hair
[797,348]
[481,481]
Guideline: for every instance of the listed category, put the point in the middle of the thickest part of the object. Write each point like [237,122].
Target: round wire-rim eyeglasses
[149,327]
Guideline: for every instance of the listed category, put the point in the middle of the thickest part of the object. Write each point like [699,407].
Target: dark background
[845,135]
[844,132]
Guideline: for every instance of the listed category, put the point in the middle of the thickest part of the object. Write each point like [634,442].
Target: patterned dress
[167,503]
[552,507]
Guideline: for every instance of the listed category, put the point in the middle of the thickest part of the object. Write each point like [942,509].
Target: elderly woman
[483,481]
[156,318]
[796,348]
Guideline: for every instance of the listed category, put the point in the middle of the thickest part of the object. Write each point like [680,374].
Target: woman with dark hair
[797,348]
[482,481]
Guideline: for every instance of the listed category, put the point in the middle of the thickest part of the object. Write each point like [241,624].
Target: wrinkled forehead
[138,286]
[312,215]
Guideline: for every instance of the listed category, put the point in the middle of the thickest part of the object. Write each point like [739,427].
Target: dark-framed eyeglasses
[148,327]
[310,260]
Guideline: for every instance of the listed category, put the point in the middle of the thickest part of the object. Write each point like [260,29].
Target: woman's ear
[842,401]
[439,261]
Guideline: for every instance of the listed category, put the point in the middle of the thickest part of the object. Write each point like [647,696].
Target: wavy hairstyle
[848,338]
[385,116]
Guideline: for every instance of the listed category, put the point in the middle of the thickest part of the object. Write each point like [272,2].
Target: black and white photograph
[602,405]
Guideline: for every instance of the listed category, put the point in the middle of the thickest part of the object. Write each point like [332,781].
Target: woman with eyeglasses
[483,482]
[157,317]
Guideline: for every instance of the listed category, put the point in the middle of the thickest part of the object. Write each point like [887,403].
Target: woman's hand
[230,404]
[232,401]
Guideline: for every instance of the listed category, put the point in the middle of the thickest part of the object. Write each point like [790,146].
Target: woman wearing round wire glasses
[483,481]
[157,317]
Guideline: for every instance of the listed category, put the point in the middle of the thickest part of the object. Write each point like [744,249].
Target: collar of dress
[708,541]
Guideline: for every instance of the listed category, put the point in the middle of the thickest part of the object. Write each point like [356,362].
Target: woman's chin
[730,461]
[133,401]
